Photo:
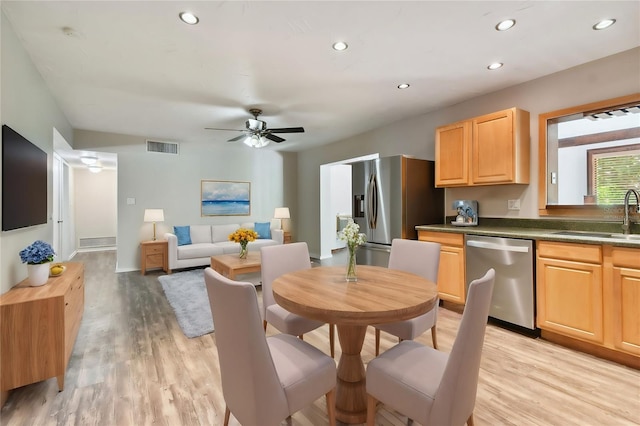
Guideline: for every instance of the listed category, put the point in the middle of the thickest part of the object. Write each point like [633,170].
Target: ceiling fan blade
[231,130]
[276,139]
[237,138]
[287,130]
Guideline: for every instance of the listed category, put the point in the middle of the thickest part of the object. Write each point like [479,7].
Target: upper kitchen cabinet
[487,150]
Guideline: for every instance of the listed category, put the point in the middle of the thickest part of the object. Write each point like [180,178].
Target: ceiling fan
[257,134]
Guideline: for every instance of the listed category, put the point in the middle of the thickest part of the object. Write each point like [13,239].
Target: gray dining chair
[421,258]
[278,260]
[429,386]
[264,379]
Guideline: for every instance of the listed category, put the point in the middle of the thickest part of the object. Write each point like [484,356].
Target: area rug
[187,295]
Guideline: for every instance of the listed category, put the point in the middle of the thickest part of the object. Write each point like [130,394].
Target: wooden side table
[154,254]
[287,237]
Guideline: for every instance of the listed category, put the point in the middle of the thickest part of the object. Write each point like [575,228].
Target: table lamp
[282,213]
[154,215]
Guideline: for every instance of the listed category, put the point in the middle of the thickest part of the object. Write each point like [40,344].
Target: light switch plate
[513,204]
[131,200]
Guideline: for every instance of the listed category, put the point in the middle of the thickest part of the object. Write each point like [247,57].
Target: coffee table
[231,265]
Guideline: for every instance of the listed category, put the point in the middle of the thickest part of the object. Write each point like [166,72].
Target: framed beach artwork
[225,198]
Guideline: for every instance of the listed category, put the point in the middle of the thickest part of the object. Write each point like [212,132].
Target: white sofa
[212,240]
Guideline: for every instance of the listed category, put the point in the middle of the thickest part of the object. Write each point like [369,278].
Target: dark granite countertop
[544,229]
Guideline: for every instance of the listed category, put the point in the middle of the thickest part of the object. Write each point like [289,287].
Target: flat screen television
[24,182]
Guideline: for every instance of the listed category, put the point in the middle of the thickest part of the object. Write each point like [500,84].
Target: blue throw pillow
[263,230]
[184,234]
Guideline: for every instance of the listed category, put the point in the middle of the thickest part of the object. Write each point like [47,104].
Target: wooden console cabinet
[39,328]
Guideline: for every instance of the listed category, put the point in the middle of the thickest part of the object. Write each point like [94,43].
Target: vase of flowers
[354,239]
[37,256]
[243,236]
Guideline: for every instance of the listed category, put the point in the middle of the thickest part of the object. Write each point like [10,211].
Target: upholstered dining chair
[429,386]
[420,258]
[278,260]
[264,379]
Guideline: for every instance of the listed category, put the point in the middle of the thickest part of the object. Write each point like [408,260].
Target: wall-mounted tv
[24,182]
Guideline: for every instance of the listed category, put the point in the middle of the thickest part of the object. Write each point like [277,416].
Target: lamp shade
[282,213]
[154,215]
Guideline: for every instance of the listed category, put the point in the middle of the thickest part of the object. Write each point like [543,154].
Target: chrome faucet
[625,222]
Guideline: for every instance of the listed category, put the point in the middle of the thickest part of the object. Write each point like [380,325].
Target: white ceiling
[133,67]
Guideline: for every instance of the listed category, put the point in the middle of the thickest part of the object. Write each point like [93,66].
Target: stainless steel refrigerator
[391,196]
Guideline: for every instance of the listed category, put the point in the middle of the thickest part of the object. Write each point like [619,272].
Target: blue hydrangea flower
[36,253]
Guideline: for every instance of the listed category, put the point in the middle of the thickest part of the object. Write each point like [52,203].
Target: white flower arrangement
[351,235]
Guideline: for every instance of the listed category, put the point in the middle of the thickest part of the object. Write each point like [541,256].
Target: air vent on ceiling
[162,147]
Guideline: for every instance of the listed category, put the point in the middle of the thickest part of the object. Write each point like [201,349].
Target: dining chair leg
[371,410]
[301,337]
[409,422]
[377,342]
[332,339]
[289,421]
[331,406]
[434,337]
[227,414]
[470,420]
[264,324]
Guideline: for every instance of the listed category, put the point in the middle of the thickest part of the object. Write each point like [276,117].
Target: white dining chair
[421,258]
[278,260]
[429,386]
[264,379]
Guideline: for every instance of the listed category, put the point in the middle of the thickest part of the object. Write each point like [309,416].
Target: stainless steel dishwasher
[513,299]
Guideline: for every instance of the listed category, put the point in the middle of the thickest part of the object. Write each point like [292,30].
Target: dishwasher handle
[492,246]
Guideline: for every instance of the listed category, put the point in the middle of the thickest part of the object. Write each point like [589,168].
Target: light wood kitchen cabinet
[487,150]
[39,328]
[453,143]
[451,270]
[622,298]
[569,290]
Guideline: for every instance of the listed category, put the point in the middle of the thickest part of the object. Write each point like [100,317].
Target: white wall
[96,206]
[609,77]
[340,197]
[26,106]
[172,182]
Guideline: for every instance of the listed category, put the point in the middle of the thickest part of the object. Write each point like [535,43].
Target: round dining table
[380,295]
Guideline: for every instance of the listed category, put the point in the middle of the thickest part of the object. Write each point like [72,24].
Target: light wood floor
[131,365]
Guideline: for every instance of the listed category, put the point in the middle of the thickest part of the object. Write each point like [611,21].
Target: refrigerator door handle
[372,204]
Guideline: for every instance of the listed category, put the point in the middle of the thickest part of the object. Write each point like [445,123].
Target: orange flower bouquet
[243,236]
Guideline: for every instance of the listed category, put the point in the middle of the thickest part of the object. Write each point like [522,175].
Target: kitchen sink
[584,234]
[631,237]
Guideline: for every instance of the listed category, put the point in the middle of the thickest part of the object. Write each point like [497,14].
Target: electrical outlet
[513,204]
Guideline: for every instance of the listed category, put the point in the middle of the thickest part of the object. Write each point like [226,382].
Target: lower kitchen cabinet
[569,290]
[622,298]
[451,271]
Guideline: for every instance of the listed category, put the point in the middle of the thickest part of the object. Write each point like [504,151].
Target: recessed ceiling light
[340,46]
[605,23]
[505,25]
[189,18]
[95,169]
[495,65]
[403,86]
[88,160]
